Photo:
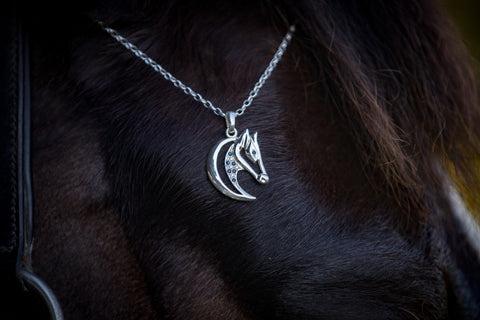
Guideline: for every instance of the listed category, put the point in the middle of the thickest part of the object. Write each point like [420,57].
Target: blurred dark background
[465,15]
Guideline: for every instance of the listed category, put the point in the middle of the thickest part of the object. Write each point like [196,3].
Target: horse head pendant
[235,161]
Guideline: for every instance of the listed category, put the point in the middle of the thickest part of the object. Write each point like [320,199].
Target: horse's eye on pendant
[234,162]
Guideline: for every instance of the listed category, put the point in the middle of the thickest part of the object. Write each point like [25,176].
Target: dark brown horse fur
[372,104]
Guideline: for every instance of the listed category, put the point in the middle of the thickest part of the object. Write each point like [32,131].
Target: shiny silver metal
[234,162]
[189,91]
[230,119]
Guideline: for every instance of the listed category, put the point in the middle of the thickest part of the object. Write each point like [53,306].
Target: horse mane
[396,73]
[403,82]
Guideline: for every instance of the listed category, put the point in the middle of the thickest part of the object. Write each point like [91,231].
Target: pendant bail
[230,120]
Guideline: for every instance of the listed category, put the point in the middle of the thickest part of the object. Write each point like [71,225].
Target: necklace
[234,160]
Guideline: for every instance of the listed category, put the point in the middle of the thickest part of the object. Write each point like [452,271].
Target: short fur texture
[370,102]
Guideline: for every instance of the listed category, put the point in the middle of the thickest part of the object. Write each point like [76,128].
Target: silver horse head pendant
[234,161]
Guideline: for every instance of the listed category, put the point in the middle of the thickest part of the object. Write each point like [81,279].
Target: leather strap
[16,198]
[8,137]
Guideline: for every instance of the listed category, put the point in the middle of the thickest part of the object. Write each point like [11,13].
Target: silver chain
[189,91]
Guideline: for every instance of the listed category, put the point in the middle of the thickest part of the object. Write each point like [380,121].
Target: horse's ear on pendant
[245,138]
[255,136]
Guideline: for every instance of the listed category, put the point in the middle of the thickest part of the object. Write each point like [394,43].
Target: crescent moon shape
[214,176]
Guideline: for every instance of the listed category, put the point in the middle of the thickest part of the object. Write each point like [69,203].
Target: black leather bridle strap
[16,198]
[24,268]
[8,141]
[8,161]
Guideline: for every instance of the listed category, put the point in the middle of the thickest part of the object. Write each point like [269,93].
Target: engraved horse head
[250,146]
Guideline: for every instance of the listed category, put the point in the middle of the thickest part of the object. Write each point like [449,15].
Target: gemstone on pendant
[233,180]
[233,163]
[234,170]
[230,171]
[228,163]
[230,154]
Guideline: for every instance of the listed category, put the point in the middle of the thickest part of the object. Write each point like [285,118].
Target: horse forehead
[214,66]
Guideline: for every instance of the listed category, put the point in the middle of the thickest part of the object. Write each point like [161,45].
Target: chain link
[189,91]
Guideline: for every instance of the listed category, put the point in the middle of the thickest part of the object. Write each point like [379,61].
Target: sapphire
[233,180]
[228,162]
